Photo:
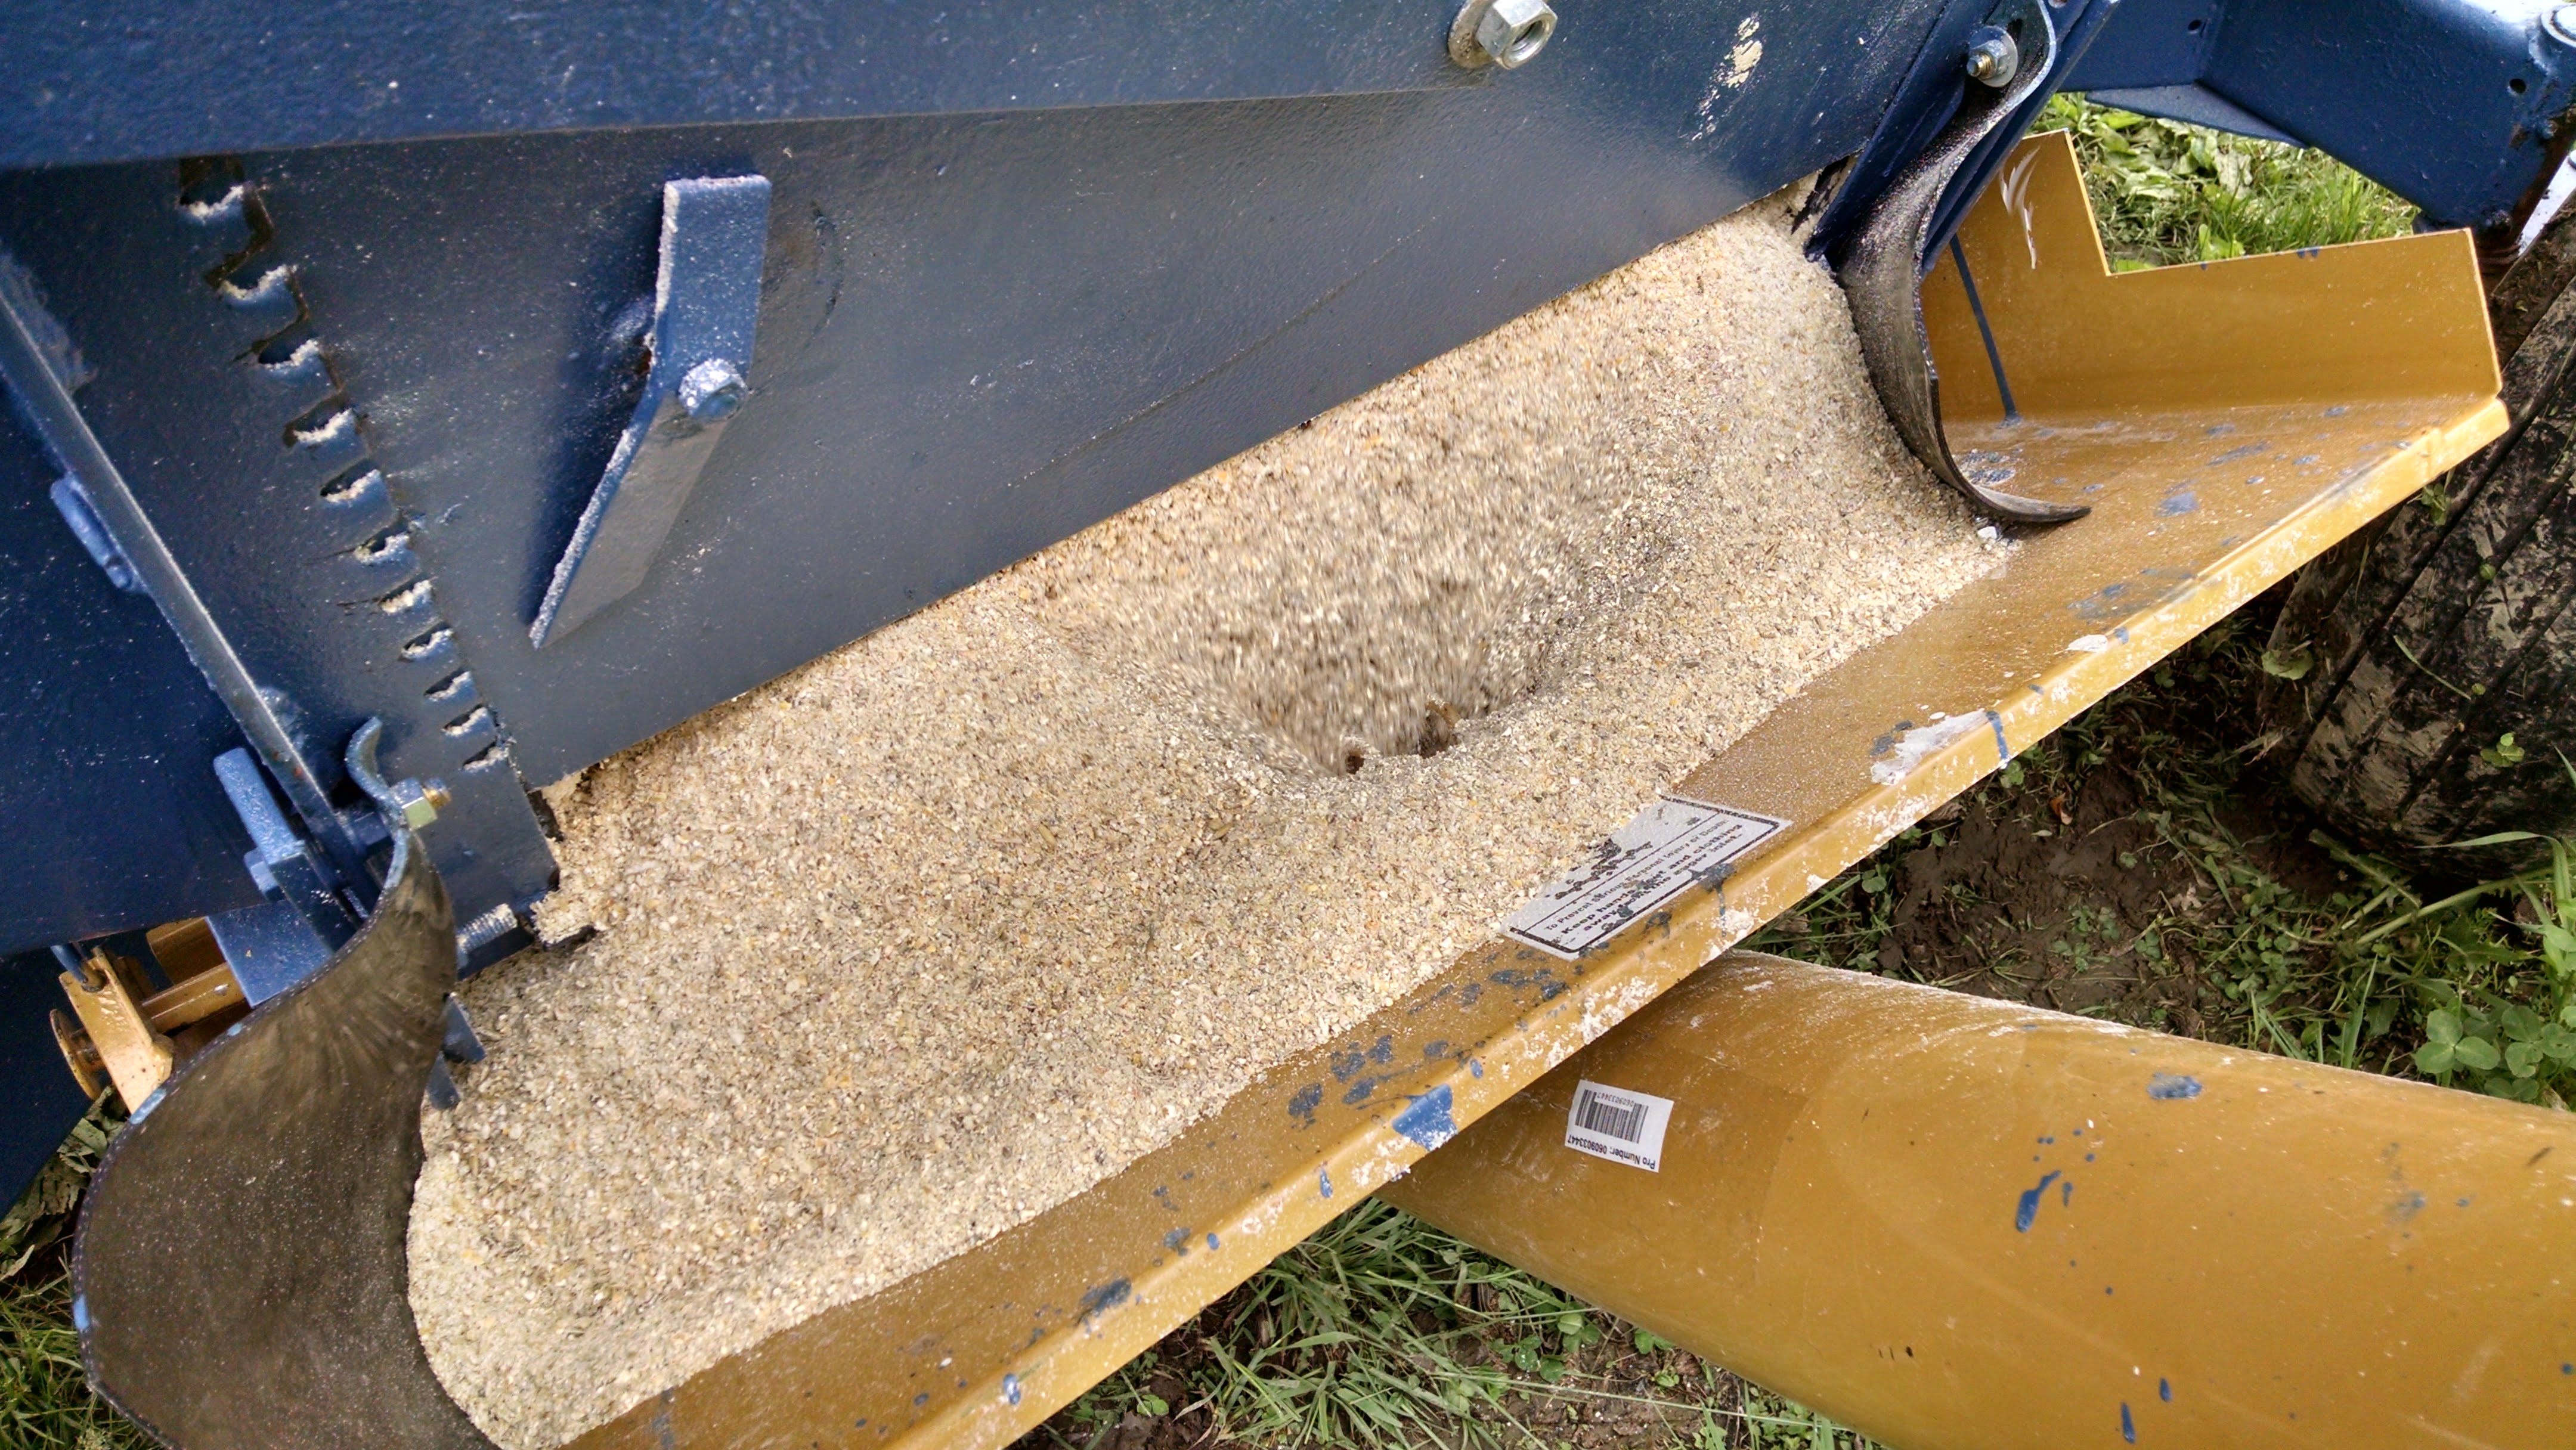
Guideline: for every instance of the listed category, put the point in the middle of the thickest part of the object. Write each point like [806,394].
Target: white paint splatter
[1730,76]
[2017,201]
[1746,55]
[1919,744]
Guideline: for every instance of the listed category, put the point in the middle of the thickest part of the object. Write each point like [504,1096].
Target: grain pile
[939,930]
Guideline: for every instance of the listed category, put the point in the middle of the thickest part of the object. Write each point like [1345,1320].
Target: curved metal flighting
[1883,272]
[241,1279]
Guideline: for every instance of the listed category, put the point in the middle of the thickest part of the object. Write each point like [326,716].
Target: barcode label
[1622,1126]
[1674,844]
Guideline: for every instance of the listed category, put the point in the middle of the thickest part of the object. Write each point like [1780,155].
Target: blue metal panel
[2456,105]
[270,947]
[2452,104]
[981,333]
[112,818]
[2196,104]
[38,1100]
[219,408]
[133,79]
[2151,43]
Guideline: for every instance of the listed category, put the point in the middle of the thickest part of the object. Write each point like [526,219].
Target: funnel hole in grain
[936,932]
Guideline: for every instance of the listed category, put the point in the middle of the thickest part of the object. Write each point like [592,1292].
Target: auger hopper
[758,726]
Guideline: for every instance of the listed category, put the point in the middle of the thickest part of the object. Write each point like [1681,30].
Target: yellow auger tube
[1952,1222]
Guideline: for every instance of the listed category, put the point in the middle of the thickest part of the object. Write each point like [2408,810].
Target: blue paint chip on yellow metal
[1212,1243]
[2164,1390]
[2128,1425]
[1104,1297]
[2181,500]
[1549,987]
[1308,1098]
[2167,1087]
[1324,1181]
[1010,1389]
[1348,1062]
[2026,1211]
[1427,1120]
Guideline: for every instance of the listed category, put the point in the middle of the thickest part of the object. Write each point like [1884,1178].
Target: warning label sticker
[1672,845]
[1622,1126]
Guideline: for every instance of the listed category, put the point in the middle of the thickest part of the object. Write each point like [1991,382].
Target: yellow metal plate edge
[1626,975]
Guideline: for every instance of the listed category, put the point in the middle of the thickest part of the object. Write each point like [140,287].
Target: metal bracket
[72,502]
[107,993]
[309,911]
[281,863]
[1894,248]
[706,306]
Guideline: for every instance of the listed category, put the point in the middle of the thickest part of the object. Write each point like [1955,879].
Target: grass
[2133,866]
[1382,1331]
[44,1401]
[2164,192]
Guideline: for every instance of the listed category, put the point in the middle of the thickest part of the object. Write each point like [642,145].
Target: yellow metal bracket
[2225,422]
[122,1042]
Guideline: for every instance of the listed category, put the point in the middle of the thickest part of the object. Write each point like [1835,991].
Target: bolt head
[1505,33]
[712,390]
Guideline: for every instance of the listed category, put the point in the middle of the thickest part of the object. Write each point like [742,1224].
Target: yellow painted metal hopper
[2226,422]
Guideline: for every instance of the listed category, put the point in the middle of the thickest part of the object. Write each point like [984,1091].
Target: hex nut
[417,806]
[713,389]
[1506,33]
[1993,59]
